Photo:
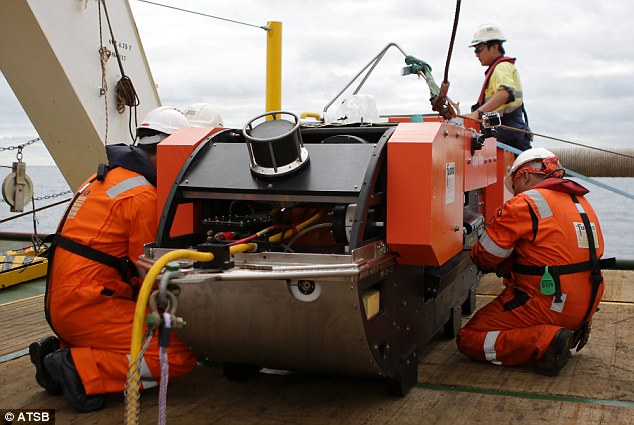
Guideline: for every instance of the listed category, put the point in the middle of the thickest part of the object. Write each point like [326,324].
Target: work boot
[61,368]
[37,351]
[556,355]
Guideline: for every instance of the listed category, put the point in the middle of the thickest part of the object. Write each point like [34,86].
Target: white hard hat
[203,115]
[524,158]
[164,119]
[487,32]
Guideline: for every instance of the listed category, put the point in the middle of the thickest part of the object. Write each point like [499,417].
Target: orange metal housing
[481,167]
[496,194]
[486,169]
[171,156]
[425,192]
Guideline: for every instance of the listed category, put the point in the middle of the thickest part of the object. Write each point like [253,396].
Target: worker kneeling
[92,285]
[546,242]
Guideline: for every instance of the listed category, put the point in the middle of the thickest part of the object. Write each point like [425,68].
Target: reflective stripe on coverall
[91,308]
[537,227]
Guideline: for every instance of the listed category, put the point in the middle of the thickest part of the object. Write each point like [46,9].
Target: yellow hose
[299,228]
[310,115]
[131,407]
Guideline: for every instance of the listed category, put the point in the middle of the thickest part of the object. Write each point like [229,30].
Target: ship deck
[596,387]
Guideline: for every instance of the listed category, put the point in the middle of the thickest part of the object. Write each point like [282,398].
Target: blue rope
[14,355]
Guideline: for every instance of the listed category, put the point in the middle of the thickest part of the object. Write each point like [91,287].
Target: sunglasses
[479,49]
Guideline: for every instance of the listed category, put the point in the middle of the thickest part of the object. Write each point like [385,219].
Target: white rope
[164,374]
[133,407]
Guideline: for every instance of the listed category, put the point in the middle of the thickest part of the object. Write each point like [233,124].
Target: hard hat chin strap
[558,173]
[550,167]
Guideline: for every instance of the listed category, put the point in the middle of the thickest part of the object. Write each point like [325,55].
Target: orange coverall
[90,307]
[540,227]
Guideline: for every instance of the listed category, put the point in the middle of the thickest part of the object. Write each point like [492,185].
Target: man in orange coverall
[546,242]
[92,281]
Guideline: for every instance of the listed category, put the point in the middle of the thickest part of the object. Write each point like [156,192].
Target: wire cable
[265,28]
[506,127]
[303,232]
[34,211]
[453,38]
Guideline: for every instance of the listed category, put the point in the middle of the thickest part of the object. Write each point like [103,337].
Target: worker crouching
[92,282]
[546,242]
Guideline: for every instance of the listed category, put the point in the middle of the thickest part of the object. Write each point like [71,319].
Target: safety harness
[487,77]
[123,265]
[594,264]
[507,117]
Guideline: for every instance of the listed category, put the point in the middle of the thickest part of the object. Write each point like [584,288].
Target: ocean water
[616,212]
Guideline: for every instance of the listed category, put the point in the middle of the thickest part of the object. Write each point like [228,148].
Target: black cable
[34,221]
[35,210]
[124,90]
[126,94]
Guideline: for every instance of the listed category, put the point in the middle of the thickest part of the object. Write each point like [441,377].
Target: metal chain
[19,147]
[40,198]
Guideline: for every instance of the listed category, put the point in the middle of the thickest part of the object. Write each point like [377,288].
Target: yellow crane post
[274,67]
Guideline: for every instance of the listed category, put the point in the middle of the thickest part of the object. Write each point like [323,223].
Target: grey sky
[575,59]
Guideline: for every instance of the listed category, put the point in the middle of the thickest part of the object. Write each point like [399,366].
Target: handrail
[372,64]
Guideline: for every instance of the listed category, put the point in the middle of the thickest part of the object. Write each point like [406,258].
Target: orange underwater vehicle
[358,240]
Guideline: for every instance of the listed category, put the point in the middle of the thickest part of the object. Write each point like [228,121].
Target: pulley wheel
[9,187]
